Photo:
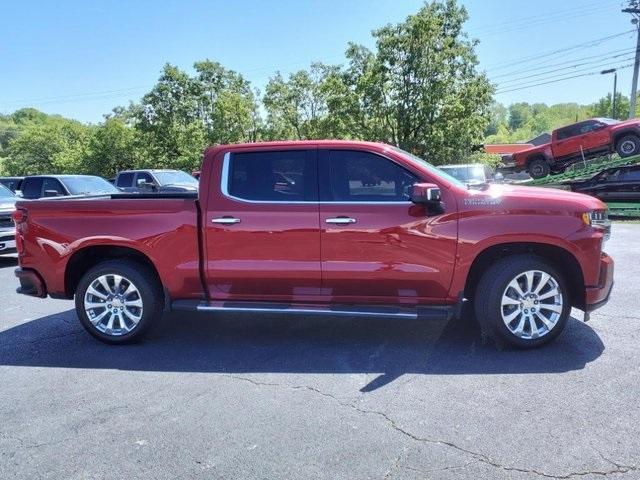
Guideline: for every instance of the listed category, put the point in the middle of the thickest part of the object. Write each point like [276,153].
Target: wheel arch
[561,258]
[87,257]
[536,156]
[617,135]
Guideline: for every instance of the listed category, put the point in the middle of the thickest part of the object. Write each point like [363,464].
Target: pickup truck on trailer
[298,227]
[570,144]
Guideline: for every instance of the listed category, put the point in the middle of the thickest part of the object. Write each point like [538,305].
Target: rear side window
[125,180]
[32,187]
[287,176]
[631,175]
[356,176]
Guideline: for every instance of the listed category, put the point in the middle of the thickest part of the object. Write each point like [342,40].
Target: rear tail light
[19,216]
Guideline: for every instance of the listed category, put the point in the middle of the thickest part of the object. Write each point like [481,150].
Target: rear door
[595,136]
[377,246]
[262,239]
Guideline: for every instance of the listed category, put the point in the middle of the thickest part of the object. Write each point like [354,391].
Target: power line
[603,62]
[622,51]
[524,87]
[597,41]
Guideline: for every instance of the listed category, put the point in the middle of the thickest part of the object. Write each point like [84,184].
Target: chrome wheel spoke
[111,311]
[526,316]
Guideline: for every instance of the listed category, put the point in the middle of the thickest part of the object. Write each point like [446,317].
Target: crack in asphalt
[479,456]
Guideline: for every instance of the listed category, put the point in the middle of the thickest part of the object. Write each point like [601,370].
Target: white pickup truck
[7,228]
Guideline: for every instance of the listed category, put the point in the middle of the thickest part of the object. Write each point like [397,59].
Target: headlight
[598,219]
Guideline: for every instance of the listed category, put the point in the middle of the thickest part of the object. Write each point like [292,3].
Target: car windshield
[175,177]
[5,192]
[434,170]
[466,173]
[87,184]
[608,121]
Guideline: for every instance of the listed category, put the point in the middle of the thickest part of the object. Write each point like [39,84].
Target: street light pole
[615,88]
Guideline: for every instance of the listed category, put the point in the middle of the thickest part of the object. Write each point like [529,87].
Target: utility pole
[634,10]
[615,89]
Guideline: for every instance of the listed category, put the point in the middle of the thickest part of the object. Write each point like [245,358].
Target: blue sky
[80,59]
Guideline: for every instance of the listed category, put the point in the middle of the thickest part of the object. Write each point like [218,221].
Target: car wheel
[538,168]
[628,145]
[118,300]
[523,301]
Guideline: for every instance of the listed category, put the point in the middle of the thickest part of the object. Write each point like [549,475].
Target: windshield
[5,192]
[434,170]
[174,177]
[87,184]
[608,121]
[466,173]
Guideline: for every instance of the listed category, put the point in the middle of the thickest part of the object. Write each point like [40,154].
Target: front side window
[52,185]
[357,176]
[632,175]
[287,176]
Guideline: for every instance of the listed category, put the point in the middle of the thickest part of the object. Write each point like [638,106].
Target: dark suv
[38,186]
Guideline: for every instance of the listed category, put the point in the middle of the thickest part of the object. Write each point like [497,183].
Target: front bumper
[30,283]
[596,297]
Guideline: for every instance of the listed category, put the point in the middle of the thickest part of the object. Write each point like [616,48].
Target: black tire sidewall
[147,286]
[628,138]
[542,164]
[495,281]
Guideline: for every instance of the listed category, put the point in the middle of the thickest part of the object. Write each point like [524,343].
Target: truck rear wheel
[628,145]
[118,300]
[538,168]
[523,301]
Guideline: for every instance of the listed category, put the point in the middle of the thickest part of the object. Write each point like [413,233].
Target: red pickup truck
[299,227]
[570,144]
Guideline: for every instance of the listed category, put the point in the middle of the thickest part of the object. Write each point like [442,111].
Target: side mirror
[50,193]
[147,186]
[598,126]
[425,193]
[498,177]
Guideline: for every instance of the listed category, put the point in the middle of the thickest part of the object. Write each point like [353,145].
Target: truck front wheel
[538,168]
[118,300]
[628,145]
[523,301]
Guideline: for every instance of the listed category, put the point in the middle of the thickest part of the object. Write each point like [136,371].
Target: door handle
[341,220]
[225,220]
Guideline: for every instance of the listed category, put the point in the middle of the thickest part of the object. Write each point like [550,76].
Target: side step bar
[440,312]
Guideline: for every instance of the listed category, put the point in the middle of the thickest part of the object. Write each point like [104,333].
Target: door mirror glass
[50,193]
[425,193]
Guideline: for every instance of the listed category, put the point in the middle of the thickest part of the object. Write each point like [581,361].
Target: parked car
[618,184]
[417,245]
[470,174]
[38,186]
[12,183]
[570,144]
[155,181]
[7,228]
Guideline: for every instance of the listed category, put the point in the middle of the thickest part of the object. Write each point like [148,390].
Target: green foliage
[490,159]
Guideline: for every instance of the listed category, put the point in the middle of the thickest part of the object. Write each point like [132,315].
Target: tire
[628,146]
[505,316]
[538,168]
[135,311]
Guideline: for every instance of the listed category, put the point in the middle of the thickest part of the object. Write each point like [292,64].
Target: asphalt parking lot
[246,397]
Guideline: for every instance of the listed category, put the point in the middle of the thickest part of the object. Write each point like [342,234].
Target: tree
[420,89]
[114,146]
[55,146]
[603,107]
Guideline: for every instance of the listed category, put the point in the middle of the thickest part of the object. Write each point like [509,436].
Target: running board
[423,312]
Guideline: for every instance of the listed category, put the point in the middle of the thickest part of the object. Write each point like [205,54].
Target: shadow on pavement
[8,261]
[246,344]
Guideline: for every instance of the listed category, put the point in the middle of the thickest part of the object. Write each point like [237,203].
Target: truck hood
[512,197]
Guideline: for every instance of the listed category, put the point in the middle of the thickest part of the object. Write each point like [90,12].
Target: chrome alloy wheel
[113,304]
[531,304]
[627,147]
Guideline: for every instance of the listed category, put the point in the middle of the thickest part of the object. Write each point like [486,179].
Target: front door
[377,246]
[262,239]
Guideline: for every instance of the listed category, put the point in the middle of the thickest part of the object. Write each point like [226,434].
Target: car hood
[508,197]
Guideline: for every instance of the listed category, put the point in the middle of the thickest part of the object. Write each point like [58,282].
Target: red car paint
[586,139]
[396,253]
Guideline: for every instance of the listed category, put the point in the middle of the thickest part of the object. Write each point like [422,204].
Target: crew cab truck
[298,228]
[570,144]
